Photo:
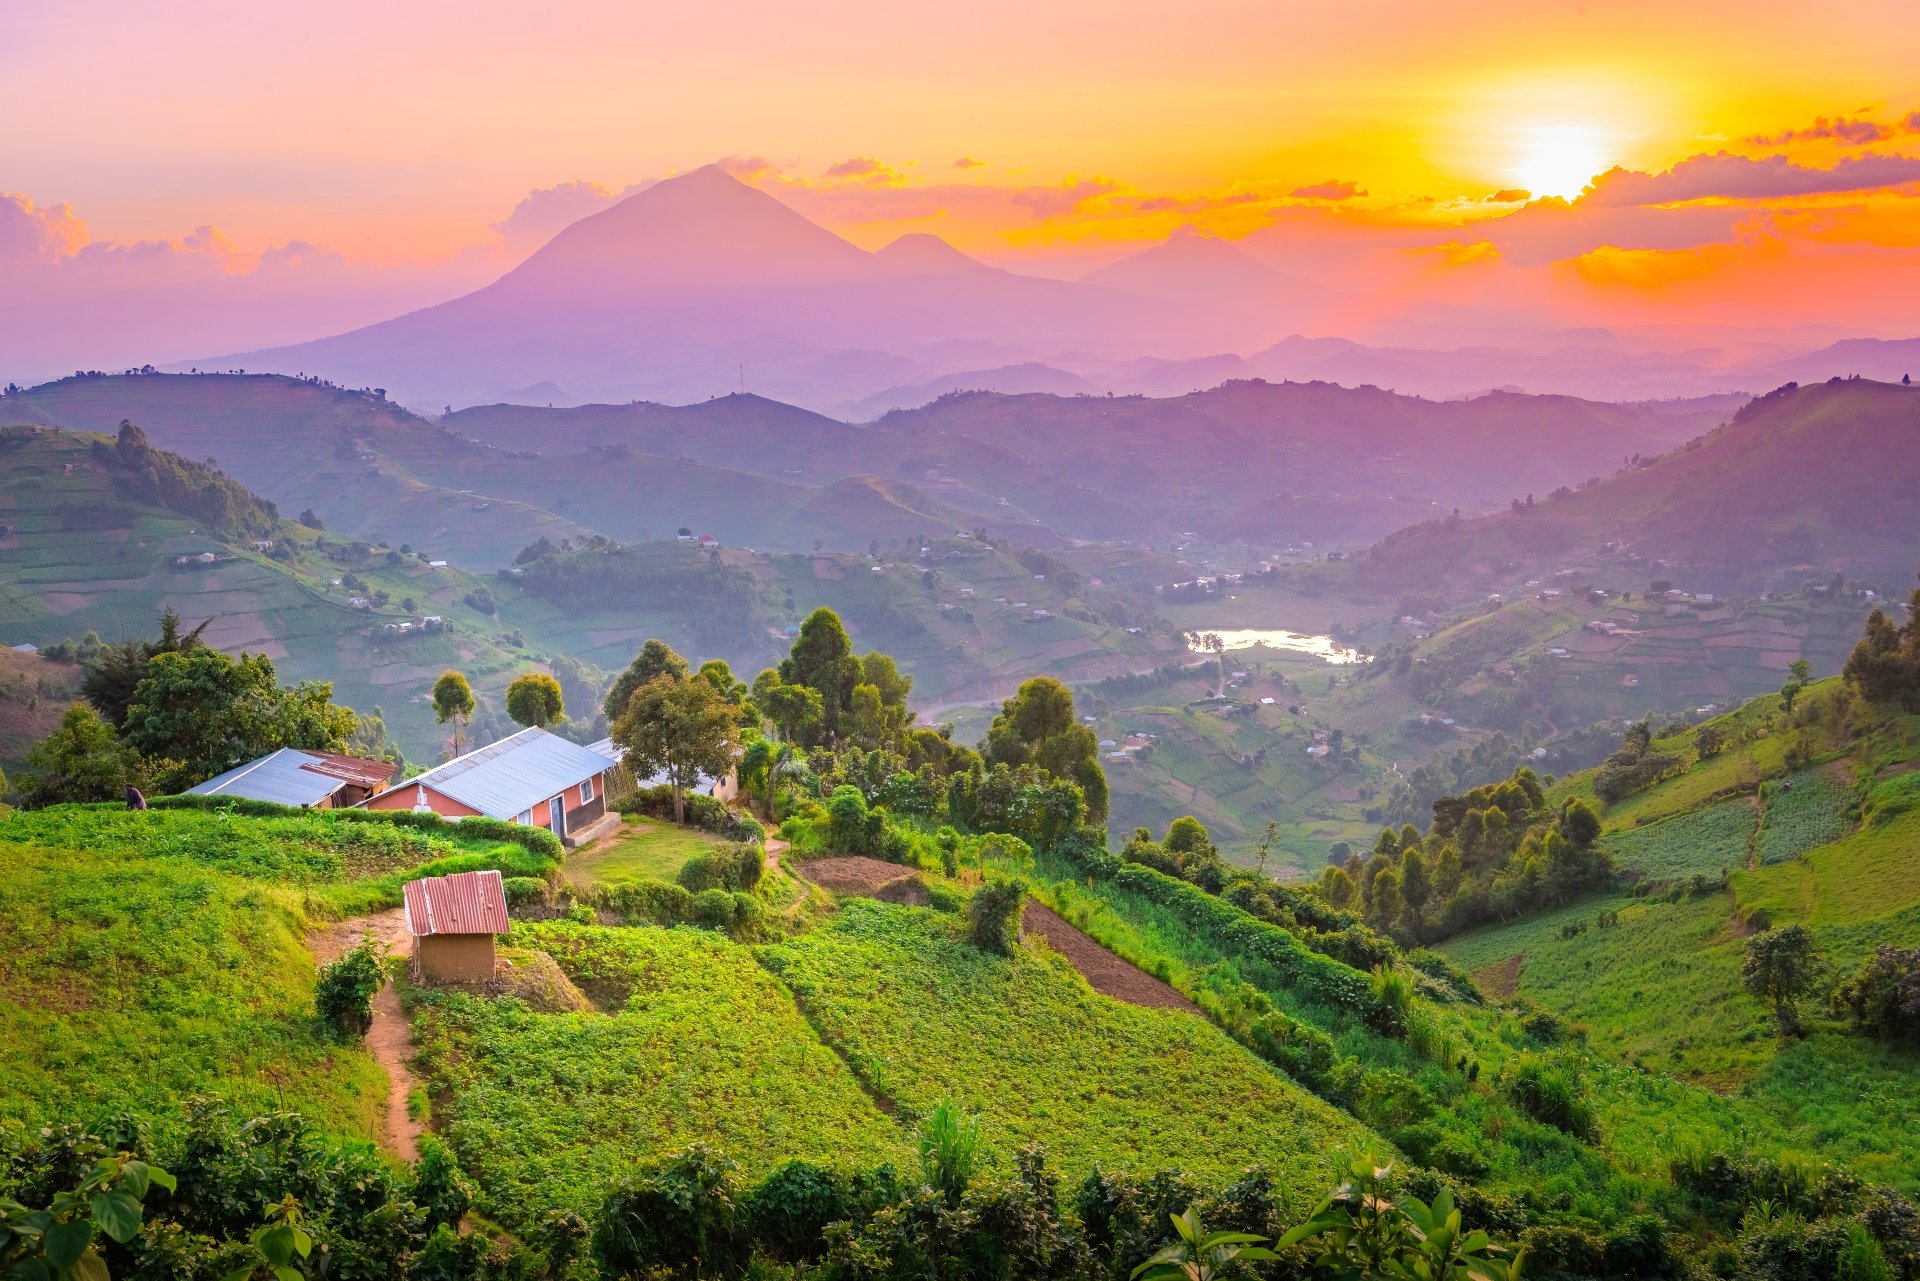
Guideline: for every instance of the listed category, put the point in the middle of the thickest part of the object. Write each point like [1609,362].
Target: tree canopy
[535,699]
[1037,727]
[205,712]
[679,725]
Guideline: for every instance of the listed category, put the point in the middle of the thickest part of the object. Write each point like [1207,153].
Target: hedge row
[535,840]
[708,813]
[1304,972]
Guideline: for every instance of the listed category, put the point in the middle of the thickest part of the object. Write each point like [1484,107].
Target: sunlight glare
[1561,159]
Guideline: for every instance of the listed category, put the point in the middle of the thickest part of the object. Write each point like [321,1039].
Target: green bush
[737,867]
[708,813]
[994,915]
[523,891]
[1306,973]
[343,995]
[1551,1093]
[647,902]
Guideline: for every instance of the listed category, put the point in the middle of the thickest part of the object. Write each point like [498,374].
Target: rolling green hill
[1809,818]
[80,556]
[1804,483]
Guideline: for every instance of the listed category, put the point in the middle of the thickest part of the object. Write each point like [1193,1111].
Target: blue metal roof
[510,777]
[280,777]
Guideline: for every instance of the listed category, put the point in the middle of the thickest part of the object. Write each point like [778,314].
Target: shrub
[439,1187]
[1551,1093]
[1392,999]
[791,1209]
[1883,996]
[708,813]
[647,902]
[737,867]
[343,995]
[994,916]
[523,891]
[681,1218]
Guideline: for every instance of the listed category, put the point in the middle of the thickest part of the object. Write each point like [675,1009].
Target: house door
[557,817]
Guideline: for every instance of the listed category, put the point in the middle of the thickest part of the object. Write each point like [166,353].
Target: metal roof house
[311,780]
[454,920]
[531,777]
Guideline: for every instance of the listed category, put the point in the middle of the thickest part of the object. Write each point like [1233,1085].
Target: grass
[643,849]
[135,980]
[1705,841]
[922,1015]
[698,1044]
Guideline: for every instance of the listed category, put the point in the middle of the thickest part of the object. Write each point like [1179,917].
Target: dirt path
[1106,973]
[775,847]
[390,1039]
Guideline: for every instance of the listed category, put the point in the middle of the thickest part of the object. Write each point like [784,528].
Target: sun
[1561,159]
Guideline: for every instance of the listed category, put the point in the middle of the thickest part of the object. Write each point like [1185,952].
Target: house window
[524,816]
[586,791]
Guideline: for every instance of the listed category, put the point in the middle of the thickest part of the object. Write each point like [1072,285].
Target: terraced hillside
[80,556]
[1749,838]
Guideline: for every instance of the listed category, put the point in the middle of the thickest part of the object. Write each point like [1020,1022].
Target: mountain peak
[922,251]
[700,229]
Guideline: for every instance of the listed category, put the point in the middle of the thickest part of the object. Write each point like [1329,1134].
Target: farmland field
[134,982]
[923,1016]
[1806,810]
[697,1043]
[1702,842]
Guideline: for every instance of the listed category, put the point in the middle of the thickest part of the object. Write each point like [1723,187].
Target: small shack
[455,920]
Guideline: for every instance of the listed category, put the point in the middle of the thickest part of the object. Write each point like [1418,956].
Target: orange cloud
[1331,189]
[38,234]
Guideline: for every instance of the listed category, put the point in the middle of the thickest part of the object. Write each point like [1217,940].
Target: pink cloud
[858,167]
[1724,175]
[968,162]
[546,210]
[1048,203]
[1331,189]
[1850,130]
[38,234]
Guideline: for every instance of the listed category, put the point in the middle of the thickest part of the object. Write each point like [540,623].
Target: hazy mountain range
[702,285]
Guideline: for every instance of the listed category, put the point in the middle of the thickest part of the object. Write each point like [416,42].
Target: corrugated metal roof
[464,903]
[352,769]
[608,748]
[280,777]
[512,776]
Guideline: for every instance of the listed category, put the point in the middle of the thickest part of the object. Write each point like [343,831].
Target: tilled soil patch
[867,878]
[1106,973]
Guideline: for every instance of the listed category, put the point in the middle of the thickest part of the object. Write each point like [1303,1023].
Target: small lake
[1324,647]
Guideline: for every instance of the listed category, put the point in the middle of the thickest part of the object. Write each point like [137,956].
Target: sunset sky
[350,158]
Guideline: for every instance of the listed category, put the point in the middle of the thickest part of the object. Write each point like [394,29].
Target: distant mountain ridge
[701,284]
[1805,482]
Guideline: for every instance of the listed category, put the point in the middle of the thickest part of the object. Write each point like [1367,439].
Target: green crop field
[1705,841]
[923,1016]
[1804,811]
[696,1043]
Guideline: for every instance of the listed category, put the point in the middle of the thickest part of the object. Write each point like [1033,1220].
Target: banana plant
[1362,1233]
[1199,1255]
